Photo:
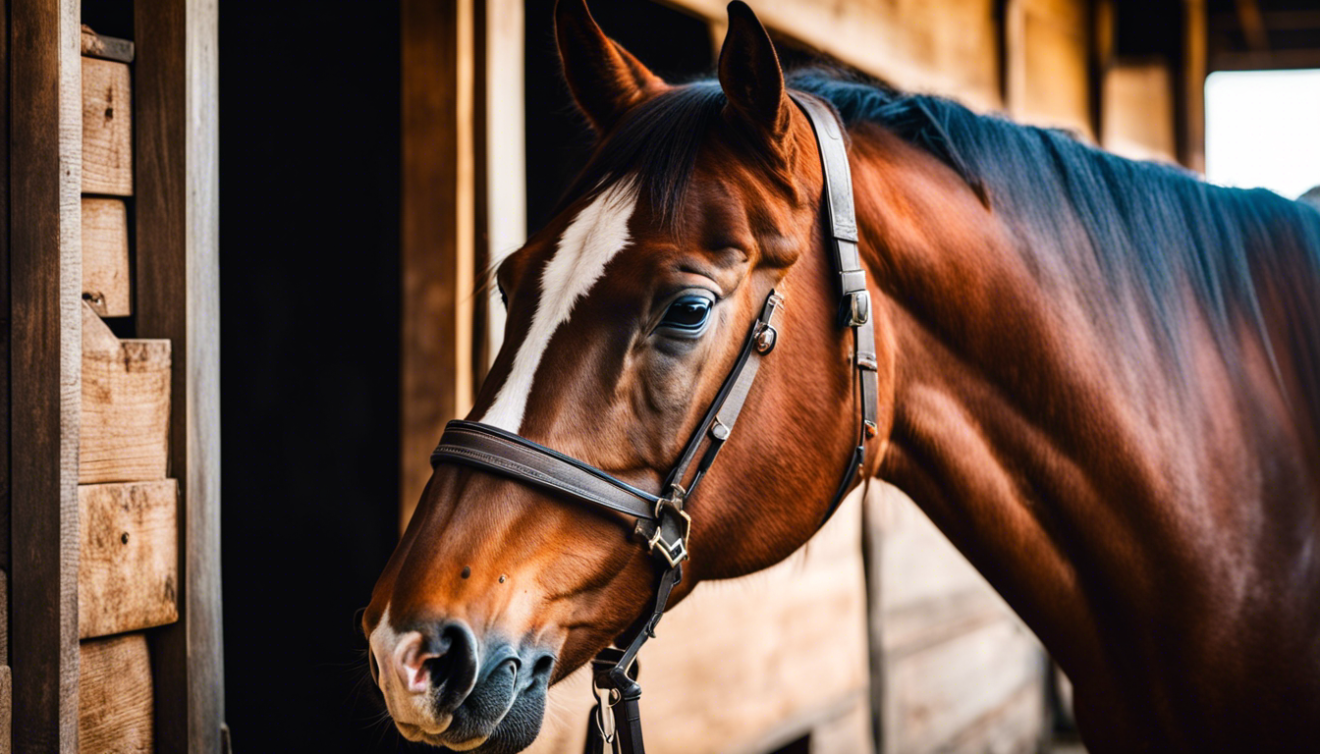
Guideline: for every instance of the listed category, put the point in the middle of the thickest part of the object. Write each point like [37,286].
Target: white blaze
[598,233]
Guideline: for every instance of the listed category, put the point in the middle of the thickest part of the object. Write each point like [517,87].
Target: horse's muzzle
[449,688]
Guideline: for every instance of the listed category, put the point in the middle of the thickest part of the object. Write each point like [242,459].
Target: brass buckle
[674,552]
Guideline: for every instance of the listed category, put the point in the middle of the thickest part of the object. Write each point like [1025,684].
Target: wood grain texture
[4,618]
[115,711]
[1048,64]
[45,278]
[109,48]
[128,574]
[106,284]
[6,710]
[107,127]
[949,47]
[437,233]
[1138,111]
[960,671]
[125,405]
[177,297]
[793,661]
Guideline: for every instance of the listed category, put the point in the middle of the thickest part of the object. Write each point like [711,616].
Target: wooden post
[505,164]
[45,281]
[437,234]
[1191,87]
[176,184]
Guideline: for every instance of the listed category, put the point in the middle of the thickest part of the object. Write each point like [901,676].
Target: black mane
[1146,228]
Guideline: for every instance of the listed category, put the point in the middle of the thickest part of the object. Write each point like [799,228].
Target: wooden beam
[1189,100]
[129,570]
[107,127]
[123,435]
[115,712]
[45,281]
[505,163]
[176,154]
[437,233]
[107,280]
[107,48]
[1259,61]
[1252,24]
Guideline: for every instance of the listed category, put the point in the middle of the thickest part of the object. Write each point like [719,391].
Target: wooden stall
[111,540]
[942,665]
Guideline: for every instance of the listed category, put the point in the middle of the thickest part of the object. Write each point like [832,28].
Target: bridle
[662,523]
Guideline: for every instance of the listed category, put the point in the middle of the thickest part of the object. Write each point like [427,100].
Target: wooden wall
[115,565]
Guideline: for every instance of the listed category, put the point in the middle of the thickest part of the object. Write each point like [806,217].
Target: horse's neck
[1096,490]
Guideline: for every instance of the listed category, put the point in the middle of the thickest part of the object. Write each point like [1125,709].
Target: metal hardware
[674,552]
[871,429]
[718,431]
[765,339]
[857,309]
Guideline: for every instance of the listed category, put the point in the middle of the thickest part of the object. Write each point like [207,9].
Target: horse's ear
[606,80]
[750,74]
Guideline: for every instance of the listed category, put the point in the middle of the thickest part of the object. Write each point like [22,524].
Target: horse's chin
[515,732]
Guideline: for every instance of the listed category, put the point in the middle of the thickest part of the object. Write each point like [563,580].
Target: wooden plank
[4,618]
[1048,61]
[6,709]
[437,233]
[752,663]
[128,572]
[125,406]
[5,319]
[177,297]
[1138,111]
[938,694]
[504,165]
[106,277]
[1190,100]
[115,711]
[107,127]
[108,48]
[950,47]
[45,278]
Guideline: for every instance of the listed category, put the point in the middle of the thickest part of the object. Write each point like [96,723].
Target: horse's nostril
[544,665]
[453,668]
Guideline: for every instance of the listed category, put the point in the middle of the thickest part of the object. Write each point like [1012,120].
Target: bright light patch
[1262,128]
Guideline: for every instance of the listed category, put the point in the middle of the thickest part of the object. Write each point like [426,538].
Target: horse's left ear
[606,80]
[750,74]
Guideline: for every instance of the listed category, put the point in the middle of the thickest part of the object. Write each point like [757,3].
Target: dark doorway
[309,271]
[676,46]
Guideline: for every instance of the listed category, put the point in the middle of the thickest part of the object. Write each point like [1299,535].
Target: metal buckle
[857,309]
[673,552]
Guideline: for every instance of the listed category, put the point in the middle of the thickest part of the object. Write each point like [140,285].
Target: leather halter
[662,523]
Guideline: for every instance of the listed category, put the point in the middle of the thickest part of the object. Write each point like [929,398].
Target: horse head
[625,315]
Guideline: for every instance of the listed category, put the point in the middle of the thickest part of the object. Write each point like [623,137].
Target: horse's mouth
[418,734]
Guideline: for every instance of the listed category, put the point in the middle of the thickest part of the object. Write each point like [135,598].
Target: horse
[1098,377]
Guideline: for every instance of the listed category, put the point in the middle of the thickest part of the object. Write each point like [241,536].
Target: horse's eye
[687,316]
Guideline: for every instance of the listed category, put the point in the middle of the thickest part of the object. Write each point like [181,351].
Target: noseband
[662,523]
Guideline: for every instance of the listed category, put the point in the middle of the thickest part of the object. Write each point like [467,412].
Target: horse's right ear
[605,79]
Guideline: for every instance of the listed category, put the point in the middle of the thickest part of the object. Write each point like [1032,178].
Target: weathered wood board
[125,406]
[962,674]
[128,571]
[6,710]
[114,695]
[1048,78]
[106,285]
[751,664]
[109,48]
[107,128]
[1138,111]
